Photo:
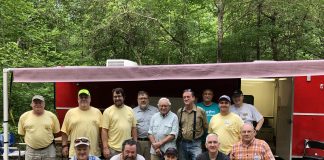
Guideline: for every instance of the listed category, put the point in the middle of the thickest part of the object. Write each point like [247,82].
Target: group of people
[201,131]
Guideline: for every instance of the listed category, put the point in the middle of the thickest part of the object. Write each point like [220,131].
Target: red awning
[171,72]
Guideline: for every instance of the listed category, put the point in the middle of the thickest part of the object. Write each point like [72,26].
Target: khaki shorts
[48,153]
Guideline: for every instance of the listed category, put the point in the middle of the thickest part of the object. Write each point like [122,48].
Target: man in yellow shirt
[226,125]
[39,128]
[82,121]
[118,125]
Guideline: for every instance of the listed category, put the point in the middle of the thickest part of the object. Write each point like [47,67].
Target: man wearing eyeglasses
[250,147]
[82,121]
[39,128]
[193,123]
[82,149]
[226,125]
[143,113]
[163,131]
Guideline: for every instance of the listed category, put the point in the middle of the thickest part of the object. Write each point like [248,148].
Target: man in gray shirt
[143,113]
[247,112]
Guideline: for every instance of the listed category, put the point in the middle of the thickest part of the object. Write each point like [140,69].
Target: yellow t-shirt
[38,130]
[119,122]
[227,128]
[79,123]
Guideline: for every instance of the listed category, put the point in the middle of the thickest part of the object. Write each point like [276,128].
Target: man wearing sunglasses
[82,149]
[39,128]
[82,121]
[226,125]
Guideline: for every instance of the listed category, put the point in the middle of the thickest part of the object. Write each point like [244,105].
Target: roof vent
[120,62]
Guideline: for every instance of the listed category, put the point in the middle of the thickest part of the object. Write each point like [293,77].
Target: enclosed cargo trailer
[290,93]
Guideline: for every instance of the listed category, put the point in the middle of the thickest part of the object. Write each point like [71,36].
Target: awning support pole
[5,114]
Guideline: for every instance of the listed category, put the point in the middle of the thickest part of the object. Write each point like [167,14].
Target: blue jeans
[189,150]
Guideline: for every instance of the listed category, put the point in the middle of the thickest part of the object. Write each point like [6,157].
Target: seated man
[129,151]
[212,145]
[171,154]
[250,147]
[82,149]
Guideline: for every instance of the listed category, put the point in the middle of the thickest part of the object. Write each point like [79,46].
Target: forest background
[38,33]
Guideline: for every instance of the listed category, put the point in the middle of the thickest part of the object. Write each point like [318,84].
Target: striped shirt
[256,150]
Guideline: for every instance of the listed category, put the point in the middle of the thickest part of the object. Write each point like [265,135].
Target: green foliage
[66,33]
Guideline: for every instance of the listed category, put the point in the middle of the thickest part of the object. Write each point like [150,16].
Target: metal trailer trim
[307,114]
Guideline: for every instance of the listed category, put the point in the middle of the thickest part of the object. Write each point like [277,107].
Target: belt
[143,139]
[40,148]
[192,140]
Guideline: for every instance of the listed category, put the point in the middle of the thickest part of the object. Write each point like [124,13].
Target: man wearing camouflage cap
[39,128]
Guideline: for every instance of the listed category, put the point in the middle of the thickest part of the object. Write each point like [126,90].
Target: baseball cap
[237,93]
[224,97]
[38,97]
[171,151]
[84,91]
[81,141]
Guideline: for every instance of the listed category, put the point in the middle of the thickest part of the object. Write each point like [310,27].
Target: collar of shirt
[194,109]
[165,114]
[141,110]
[247,145]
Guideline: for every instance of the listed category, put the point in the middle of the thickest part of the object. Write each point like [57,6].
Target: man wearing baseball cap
[226,125]
[82,121]
[82,149]
[247,112]
[39,128]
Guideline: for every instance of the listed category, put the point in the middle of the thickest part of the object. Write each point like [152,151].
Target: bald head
[248,133]
[248,126]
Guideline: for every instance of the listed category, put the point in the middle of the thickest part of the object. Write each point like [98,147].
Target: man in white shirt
[129,152]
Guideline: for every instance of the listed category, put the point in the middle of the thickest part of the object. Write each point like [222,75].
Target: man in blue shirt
[208,105]
[82,149]
[211,108]
[143,113]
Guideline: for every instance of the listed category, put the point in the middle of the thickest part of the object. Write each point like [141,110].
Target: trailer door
[284,117]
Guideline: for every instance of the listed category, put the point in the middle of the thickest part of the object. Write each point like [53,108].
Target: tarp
[171,72]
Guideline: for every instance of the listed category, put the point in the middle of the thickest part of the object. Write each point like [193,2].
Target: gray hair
[164,99]
[211,134]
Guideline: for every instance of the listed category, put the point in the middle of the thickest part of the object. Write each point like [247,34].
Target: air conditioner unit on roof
[120,62]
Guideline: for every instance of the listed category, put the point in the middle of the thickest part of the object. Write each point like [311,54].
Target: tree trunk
[220,31]
[273,35]
[274,38]
[258,48]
